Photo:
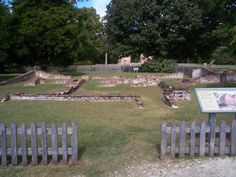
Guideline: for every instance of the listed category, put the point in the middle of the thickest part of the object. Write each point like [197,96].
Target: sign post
[216,100]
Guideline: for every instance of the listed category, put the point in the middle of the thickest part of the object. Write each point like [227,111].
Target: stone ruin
[34,78]
[141,80]
[73,86]
[55,97]
[171,95]
[34,82]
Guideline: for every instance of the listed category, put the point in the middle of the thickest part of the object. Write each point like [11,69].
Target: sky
[99,5]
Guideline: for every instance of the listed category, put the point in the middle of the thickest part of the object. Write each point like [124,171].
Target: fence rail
[38,142]
[198,140]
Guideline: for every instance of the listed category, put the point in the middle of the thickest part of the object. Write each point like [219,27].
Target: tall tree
[179,29]
[225,33]
[5,41]
[47,32]
[160,28]
[91,46]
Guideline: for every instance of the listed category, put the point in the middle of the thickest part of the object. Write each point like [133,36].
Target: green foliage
[48,35]
[159,66]
[91,45]
[152,27]
[180,29]
[45,33]
[5,42]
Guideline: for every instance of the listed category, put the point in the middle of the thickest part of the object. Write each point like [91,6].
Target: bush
[159,66]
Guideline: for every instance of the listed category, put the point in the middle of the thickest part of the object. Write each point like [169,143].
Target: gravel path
[217,167]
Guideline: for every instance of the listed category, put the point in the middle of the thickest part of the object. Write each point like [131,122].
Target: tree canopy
[48,32]
[5,42]
[185,30]
[57,32]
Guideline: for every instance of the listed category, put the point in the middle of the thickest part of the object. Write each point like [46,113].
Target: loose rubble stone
[171,95]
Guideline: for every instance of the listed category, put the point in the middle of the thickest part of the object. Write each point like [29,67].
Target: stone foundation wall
[54,97]
[23,77]
[35,74]
[177,75]
[45,75]
[73,87]
[35,81]
[172,95]
[228,77]
[210,79]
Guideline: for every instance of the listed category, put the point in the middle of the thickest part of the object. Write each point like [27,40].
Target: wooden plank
[233,138]
[54,144]
[34,144]
[39,131]
[182,138]
[222,138]
[202,139]
[24,144]
[163,139]
[74,143]
[14,150]
[192,139]
[207,150]
[44,144]
[64,143]
[3,145]
[173,140]
[212,136]
[197,129]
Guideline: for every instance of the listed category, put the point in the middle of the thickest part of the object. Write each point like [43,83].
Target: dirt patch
[217,167]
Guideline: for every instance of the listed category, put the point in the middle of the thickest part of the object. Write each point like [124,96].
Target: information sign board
[214,100]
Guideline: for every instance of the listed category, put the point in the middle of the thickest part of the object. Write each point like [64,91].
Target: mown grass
[111,135]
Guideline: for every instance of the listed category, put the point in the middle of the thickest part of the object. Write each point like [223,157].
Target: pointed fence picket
[202,140]
[36,142]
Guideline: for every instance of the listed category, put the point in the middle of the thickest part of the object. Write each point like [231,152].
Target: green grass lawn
[111,135]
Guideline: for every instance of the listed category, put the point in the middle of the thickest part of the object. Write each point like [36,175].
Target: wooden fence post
[24,144]
[173,140]
[163,140]
[182,137]
[19,136]
[233,138]
[212,138]
[74,143]
[192,139]
[4,144]
[14,150]
[54,144]
[202,139]
[34,144]
[222,138]
[44,144]
[64,143]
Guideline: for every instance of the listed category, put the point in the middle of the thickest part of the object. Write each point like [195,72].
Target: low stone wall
[228,77]
[45,75]
[35,81]
[35,74]
[172,95]
[54,97]
[210,79]
[139,81]
[177,75]
[73,87]
[23,77]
